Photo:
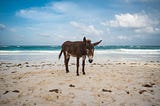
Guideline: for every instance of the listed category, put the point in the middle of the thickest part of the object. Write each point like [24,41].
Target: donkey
[78,49]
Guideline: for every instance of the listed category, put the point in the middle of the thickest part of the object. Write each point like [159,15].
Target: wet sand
[114,83]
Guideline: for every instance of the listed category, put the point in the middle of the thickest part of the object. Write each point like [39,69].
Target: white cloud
[139,22]
[122,37]
[146,30]
[13,29]
[35,14]
[90,29]
[63,6]
[59,11]
[31,28]
[131,20]
[52,11]
[140,1]
[58,14]
[2,26]
[44,35]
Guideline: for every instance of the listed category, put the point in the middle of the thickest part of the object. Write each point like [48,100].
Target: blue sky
[51,22]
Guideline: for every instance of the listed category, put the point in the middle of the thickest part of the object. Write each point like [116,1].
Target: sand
[114,83]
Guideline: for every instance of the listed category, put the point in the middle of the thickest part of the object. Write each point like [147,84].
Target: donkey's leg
[66,62]
[83,64]
[77,66]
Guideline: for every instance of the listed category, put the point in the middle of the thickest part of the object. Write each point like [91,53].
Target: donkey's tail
[60,54]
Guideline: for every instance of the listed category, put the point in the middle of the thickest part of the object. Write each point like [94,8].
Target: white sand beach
[110,83]
[118,39]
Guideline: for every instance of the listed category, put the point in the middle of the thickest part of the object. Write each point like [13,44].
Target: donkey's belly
[74,54]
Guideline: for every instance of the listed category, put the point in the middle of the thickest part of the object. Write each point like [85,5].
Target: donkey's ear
[96,43]
[84,40]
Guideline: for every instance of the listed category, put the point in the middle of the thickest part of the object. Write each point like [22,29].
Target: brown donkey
[78,49]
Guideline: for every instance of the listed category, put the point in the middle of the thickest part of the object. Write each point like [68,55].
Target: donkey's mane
[88,41]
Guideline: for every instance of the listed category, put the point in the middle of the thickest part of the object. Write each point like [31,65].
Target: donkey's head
[89,48]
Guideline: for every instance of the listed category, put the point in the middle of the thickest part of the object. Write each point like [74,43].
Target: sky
[51,22]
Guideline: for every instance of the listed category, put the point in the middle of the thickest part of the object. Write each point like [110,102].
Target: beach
[111,80]
[114,43]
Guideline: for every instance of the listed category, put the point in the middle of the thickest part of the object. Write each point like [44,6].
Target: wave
[127,47]
[101,51]
[128,51]
[31,52]
[45,48]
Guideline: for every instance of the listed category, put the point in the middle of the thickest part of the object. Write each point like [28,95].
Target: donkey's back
[73,48]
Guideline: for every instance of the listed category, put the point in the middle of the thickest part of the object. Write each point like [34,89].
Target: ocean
[50,53]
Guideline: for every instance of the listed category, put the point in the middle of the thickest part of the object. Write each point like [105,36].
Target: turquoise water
[102,53]
[47,48]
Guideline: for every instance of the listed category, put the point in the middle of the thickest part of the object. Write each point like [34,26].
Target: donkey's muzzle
[90,60]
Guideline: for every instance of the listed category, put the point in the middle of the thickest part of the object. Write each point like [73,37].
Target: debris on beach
[16,91]
[152,83]
[72,63]
[71,85]
[127,92]
[5,92]
[19,65]
[142,91]
[13,71]
[148,85]
[106,90]
[26,63]
[94,64]
[54,90]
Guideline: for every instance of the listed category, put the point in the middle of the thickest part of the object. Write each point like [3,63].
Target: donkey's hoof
[67,71]
[77,74]
[84,73]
